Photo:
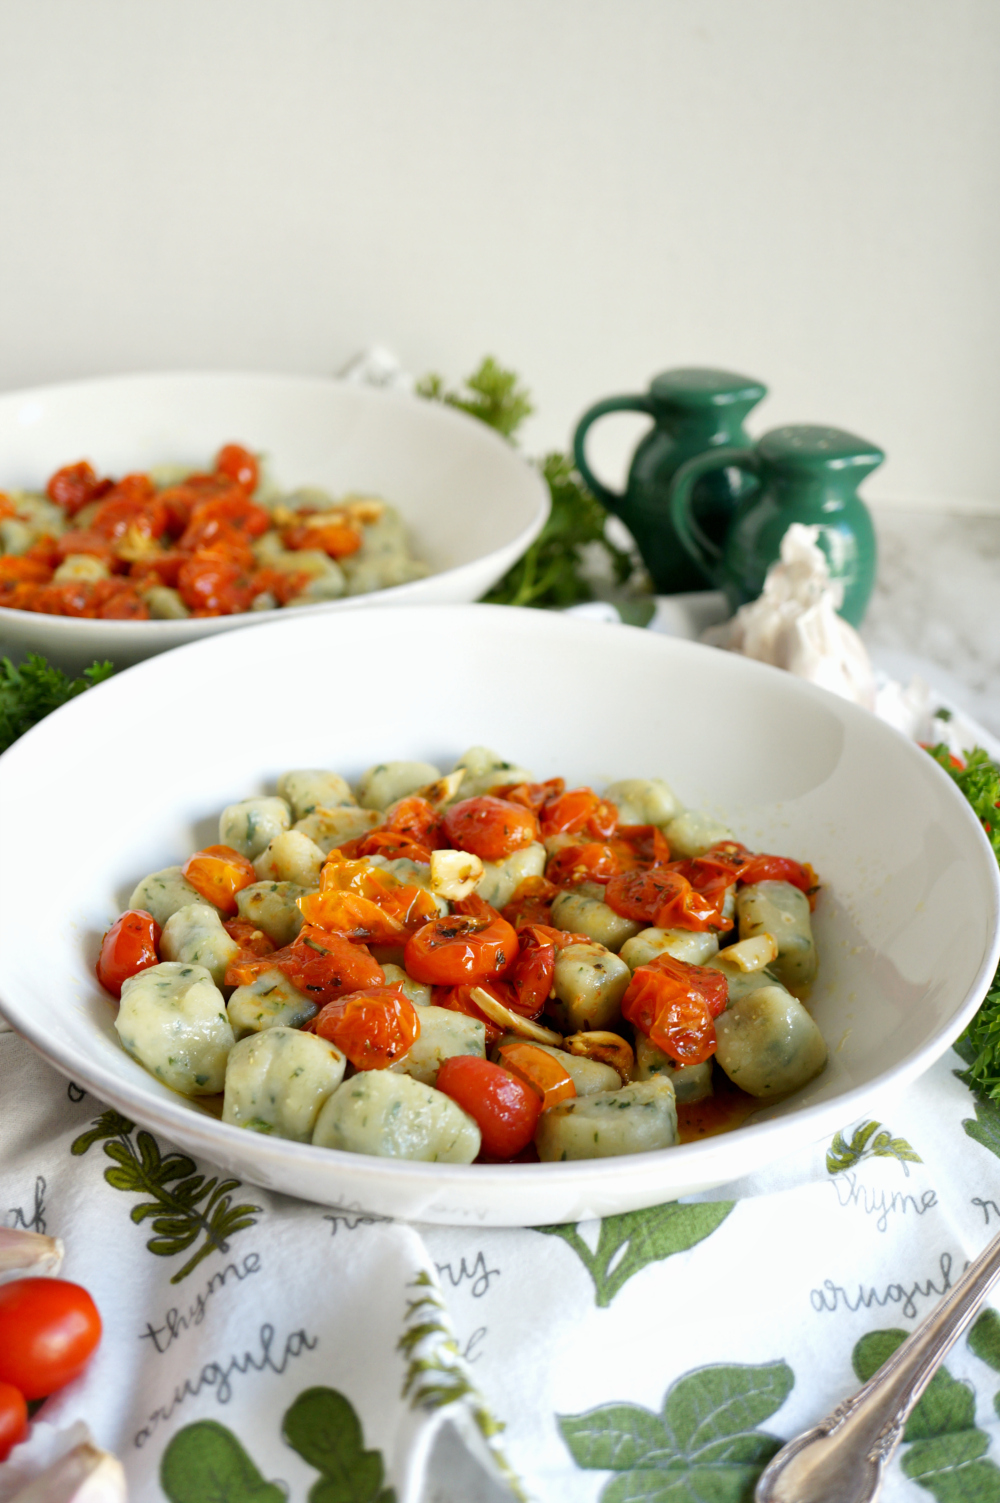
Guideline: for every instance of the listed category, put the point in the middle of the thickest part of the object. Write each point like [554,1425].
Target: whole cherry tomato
[13,1419]
[212,584]
[490,828]
[594,861]
[461,949]
[239,465]
[219,873]
[130,946]
[74,485]
[506,1109]
[777,869]
[579,811]
[48,1331]
[373,1027]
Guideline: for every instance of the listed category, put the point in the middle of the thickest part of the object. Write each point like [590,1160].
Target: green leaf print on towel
[185,1205]
[628,1242]
[869,1141]
[703,1445]
[945,1453]
[205,1463]
[323,1427]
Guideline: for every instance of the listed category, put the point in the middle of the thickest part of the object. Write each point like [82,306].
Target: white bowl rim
[814,1121]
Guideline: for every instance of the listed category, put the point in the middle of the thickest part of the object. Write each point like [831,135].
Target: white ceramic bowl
[132,776]
[471,503]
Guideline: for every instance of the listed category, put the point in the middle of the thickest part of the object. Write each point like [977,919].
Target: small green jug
[805,474]
[693,410]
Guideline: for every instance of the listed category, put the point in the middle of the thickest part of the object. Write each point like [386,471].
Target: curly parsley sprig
[34,689]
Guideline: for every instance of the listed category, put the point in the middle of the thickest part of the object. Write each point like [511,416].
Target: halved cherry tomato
[664,897]
[323,966]
[778,869]
[74,485]
[539,1070]
[238,464]
[130,946]
[674,1004]
[373,1026]
[531,903]
[490,828]
[49,1329]
[13,1419]
[579,811]
[506,1109]
[219,873]
[461,949]
[529,795]
[251,940]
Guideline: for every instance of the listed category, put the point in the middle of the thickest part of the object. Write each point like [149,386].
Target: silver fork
[843,1458]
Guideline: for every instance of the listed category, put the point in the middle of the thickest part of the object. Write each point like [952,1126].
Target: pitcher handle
[613,500]
[706,554]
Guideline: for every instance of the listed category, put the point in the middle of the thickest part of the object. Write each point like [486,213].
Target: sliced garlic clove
[513,1021]
[454,874]
[442,791]
[22,1250]
[751,954]
[607,1048]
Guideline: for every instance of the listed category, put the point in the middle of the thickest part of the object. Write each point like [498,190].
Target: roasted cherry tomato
[48,1331]
[529,795]
[674,1004]
[74,485]
[212,584]
[594,861]
[251,940]
[579,812]
[506,1109]
[130,946]
[664,897]
[490,828]
[530,977]
[335,536]
[459,999]
[238,464]
[13,1419]
[460,950]
[373,1027]
[321,965]
[363,902]
[15,569]
[538,1069]
[219,873]
[531,903]
[777,869]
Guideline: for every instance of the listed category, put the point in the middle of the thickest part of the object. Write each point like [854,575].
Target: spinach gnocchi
[469,965]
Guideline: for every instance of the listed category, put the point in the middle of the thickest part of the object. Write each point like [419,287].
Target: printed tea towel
[258,1348]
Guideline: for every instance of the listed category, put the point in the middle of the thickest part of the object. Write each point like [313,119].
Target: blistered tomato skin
[218,873]
[239,464]
[49,1329]
[505,1108]
[131,945]
[13,1419]
[460,950]
[490,828]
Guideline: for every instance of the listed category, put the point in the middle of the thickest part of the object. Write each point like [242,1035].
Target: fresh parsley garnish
[556,570]
[33,690]
[979,780]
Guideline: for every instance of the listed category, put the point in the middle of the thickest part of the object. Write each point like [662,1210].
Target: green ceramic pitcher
[693,410]
[805,474]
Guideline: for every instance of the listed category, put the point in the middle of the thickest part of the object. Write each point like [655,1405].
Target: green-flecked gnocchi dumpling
[643,801]
[252,824]
[589,984]
[173,1020]
[584,911]
[278,1080]
[484,770]
[693,946]
[692,833]
[162,893]
[393,1116]
[442,1034]
[639,1118]
[419,993]
[269,1001]
[768,1044]
[501,879]
[273,908]
[290,857]
[386,782]
[329,828]
[308,789]
[690,1082]
[781,910]
[194,935]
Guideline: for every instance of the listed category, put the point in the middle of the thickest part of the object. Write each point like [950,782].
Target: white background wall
[806,190]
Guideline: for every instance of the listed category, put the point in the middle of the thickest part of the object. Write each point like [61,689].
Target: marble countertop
[937,604]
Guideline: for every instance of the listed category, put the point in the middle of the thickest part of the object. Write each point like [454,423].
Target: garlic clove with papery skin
[20,1251]
[86,1474]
